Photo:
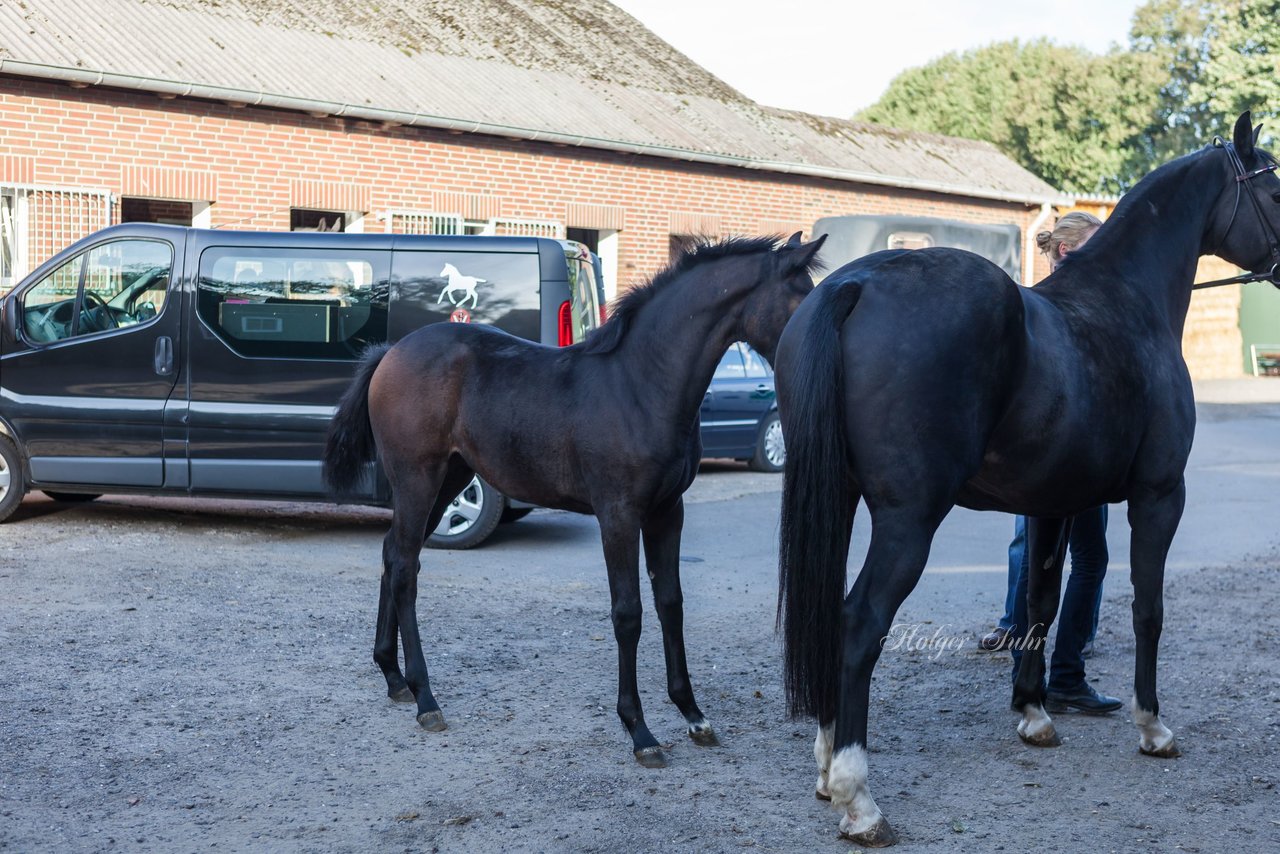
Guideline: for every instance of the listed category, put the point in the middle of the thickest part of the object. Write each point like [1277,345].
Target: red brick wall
[255,159]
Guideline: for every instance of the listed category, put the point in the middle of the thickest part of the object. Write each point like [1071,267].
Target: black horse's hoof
[703,735]
[432,721]
[879,835]
[403,694]
[1045,738]
[1169,751]
[651,757]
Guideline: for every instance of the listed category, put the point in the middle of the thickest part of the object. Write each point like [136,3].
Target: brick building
[433,116]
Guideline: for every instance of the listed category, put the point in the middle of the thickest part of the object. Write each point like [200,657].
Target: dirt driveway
[183,676]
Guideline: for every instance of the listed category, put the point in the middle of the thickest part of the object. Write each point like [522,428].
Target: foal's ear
[1243,136]
[794,240]
[800,256]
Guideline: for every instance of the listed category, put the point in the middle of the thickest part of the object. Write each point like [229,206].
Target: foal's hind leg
[385,642]
[1047,550]
[385,645]
[1153,519]
[661,534]
[620,532]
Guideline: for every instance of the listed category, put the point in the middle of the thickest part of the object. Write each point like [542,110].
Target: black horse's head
[1245,226]
[785,280]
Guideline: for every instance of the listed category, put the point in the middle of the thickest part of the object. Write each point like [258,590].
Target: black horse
[608,427]
[920,380]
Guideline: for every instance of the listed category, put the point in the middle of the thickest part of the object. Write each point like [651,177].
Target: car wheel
[470,518]
[771,451]
[71,497]
[515,514]
[13,485]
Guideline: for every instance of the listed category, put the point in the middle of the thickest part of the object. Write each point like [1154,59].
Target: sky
[834,58]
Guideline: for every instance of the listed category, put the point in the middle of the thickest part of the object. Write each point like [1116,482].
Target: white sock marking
[847,780]
[822,755]
[1155,736]
[1035,722]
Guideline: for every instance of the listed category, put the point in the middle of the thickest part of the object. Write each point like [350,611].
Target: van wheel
[470,518]
[13,485]
[71,497]
[771,452]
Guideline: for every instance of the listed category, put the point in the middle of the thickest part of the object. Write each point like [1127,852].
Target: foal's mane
[625,308]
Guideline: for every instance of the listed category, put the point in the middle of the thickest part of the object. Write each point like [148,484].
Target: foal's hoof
[702,734]
[1168,751]
[432,721]
[879,835]
[651,757]
[403,694]
[822,794]
[1043,738]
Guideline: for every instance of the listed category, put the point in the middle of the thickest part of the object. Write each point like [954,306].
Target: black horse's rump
[349,444]
[607,427]
[917,381]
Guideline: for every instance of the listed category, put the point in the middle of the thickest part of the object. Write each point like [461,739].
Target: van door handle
[164,355]
[763,387]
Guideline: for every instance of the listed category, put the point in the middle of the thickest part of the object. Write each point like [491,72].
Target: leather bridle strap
[1242,176]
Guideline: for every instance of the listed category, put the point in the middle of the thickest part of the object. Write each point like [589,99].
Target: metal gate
[37,222]
[526,228]
[420,222]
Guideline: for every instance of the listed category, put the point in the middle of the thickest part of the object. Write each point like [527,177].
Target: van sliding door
[274,345]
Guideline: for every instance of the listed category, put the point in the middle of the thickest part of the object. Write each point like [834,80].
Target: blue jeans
[1078,614]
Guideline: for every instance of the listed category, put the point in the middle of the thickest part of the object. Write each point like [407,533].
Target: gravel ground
[179,676]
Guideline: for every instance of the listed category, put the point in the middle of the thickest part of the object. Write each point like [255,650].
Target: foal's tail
[350,442]
[817,505]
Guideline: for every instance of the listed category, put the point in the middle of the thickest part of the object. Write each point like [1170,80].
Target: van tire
[13,481]
[71,497]
[479,498]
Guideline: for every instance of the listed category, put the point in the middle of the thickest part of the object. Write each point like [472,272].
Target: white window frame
[516,227]
[422,221]
[77,212]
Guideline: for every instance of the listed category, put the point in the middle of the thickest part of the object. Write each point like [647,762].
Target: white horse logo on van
[459,282]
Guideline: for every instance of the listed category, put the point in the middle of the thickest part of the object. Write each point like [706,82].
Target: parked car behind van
[740,412]
[176,361]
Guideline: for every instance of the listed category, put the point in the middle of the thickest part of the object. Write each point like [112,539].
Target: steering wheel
[108,320]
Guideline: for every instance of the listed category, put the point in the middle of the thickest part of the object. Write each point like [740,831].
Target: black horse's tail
[350,441]
[817,505]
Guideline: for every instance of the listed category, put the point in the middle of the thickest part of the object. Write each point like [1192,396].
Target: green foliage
[1067,115]
[1090,123]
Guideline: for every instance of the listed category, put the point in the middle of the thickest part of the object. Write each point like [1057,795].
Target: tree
[1067,115]
[1242,66]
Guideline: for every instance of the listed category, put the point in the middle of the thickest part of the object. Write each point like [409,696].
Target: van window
[112,286]
[469,287]
[293,303]
[582,284]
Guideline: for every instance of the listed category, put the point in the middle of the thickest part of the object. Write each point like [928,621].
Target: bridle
[1242,176]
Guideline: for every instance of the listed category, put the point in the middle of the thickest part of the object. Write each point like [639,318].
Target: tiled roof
[583,73]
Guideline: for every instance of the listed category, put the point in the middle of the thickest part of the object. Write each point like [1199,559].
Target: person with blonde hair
[1078,616]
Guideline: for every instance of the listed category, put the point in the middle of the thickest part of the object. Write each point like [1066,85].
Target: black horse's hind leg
[1153,521]
[900,540]
[385,641]
[620,531]
[1047,551]
[824,742]
[661,535]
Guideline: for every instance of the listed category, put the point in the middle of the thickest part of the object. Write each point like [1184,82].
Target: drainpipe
[1029,253]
